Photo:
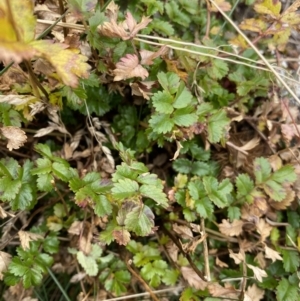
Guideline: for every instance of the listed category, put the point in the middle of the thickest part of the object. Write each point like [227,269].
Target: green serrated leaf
[44,182]
[183,97]
[286,291]
[204,207]
[102,206]
[234,213]
[155,193]
[274,190]
[162,27]
[44,166]
[184,117]
[161,123]
[216,125]
[162,102]
[88,263]
[218,69]
[182,165]
[291,260]
[125,188]
[169,81]
[140,220]
[244,185]
[285,174]
[62,171]
[262,170]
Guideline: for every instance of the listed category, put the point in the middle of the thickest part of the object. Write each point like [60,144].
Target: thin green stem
[58,285]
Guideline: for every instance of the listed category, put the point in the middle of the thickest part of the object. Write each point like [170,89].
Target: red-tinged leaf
[147,56]
[125,30]
[69,64]
[129,67]
[133,26]
[16,52]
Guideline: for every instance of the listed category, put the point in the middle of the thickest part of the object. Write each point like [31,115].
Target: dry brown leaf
[193,279]
[77,277]
[258,273]
[184,231]
[122,237]
[237,257]
[128,67]
[142,89]
[216,290]
[253,293]
[15,136]
[289,131]
[112,10]
[172,250]
[272,254]
[260,259]
[3,213]
[125,30]
[27,237]
[290,196]
[220,263]
[224,6]
[231,229]
[264,229]
[147,56]
[75,228]
[4,262]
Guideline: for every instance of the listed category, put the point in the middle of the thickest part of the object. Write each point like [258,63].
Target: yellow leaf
[68,63]
[269,7]
[255,25]
[24,20]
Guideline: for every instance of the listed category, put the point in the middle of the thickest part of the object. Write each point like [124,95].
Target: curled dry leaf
[231,229]
[122,237]
[258,273]
[112,10]
[254,293]
[18,100]
[147,56]
[129,67]
[142,89]
[27,237]
[4,262]
[125,30]
[193,279]
[216,290]
[183,231]
[272,254]
[237,257]
[221,263]
[15,136]
[264,229]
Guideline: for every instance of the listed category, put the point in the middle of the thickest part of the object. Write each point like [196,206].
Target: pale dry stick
[271,68]
[82,28]
[182,43]
[214,56]
[205,251]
